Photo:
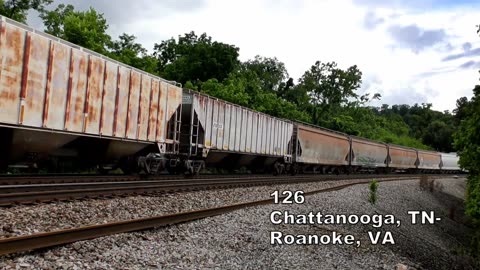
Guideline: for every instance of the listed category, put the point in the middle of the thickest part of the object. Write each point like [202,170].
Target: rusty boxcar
[231,136]
[57,98]
[368,155]
[402,158]
[428,161]
[321,149]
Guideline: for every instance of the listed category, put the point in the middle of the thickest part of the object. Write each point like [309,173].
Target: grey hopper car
[229,136]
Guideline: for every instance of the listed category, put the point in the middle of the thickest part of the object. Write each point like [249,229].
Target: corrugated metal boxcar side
[450,162]
[402,157]
[320,146]
[229,127]
[429,160]
[50,84]
[368,153]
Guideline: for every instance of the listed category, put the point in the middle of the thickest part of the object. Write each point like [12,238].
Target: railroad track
[50,239]
[41,193]
[85,178]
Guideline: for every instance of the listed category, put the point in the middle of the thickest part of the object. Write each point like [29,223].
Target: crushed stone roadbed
[241,239]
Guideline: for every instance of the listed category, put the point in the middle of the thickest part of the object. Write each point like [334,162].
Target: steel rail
[84,178]
[55,238]
[81,178]
[108,184]
[71,194]
[95,190]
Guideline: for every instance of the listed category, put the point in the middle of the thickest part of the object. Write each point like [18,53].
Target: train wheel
[278,168]
[294,169]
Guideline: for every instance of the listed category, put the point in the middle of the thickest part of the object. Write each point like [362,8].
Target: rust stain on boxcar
[11,73]
[162,105]
[23,87]
[143,107]
[26,64]
[429,160]
[48,87]
[402,157]
[154,99]
[58,89]
[108,98]
[104,92]
[115,112]
[95,91]
[139,116]
[133,100]
[69,91]
[174,100]
[122,107]
[36,79]
[322,147]
[78,92]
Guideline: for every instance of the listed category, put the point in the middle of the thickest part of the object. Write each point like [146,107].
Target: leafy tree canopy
[195,58]
[85,28]
[18,9]
[126,50]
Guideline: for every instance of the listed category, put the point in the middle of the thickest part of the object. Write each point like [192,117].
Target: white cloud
[301,32]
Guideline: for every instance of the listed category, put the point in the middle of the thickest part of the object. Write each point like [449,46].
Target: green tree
[134,54]
[272,73]
[329,86]
[244,87]
[460,111]
[85,28]
[18,9]
[467,143]
[195,58]
[439,135]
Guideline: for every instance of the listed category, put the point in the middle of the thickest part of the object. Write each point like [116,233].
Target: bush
[373,186]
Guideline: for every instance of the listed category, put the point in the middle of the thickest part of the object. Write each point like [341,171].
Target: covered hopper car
[321,150]
[450,163]
[229,136]
[60,100]
[368,156]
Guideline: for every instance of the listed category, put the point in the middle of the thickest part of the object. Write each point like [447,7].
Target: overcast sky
[409,51]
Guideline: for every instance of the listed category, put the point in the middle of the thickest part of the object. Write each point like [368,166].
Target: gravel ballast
[241,239]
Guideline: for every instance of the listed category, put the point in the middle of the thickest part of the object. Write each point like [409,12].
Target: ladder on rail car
[194,131]
[176,130]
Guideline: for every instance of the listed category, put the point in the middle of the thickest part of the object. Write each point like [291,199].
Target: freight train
[64,106]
